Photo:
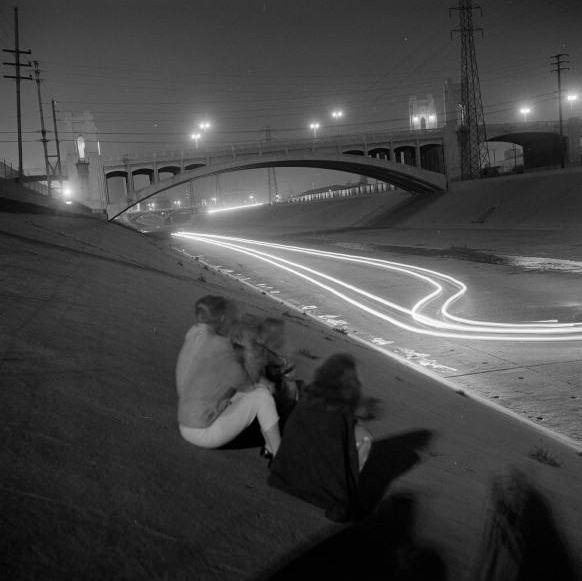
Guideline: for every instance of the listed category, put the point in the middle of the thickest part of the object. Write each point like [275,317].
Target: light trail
[442,286]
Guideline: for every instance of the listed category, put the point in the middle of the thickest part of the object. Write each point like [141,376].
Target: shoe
[266,453]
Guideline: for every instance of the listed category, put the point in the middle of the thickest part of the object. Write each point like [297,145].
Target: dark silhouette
[383,546]
[522,541]
[388,459]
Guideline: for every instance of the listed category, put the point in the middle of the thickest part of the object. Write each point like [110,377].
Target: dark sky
[150,70]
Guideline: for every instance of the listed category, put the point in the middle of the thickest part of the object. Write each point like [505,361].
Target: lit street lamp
[337,114]
[571,98]
[196,137]
[525,111]
[314,127]
[205,125]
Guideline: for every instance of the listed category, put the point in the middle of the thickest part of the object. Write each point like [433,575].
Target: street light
[525,111]
[314,127]
[196,137]
[204,125]
[337,114]
[571,98]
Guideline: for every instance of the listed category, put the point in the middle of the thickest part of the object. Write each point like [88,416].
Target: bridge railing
[275,146]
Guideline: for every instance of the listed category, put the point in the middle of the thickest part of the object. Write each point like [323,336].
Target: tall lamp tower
[472,133]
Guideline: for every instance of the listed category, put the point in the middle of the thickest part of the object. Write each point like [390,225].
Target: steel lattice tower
[472,133]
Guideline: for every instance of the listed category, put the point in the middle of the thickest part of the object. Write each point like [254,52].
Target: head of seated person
[218,313]
[336,386]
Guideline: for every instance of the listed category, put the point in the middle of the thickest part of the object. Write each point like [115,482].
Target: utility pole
[58,167]
[43,129]
[472,132]
[17,52]
[559,60]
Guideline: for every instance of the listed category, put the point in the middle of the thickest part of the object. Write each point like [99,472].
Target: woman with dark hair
[217,398]
[324,448]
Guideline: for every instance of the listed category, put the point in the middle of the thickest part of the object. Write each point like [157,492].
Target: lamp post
[571,99]
[196,137]
[337,114]
[204,125]
[314,127]
[525,111]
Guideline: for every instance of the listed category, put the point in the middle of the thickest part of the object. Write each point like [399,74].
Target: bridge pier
[452,151]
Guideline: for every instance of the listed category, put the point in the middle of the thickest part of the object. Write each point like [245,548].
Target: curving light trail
[429,316]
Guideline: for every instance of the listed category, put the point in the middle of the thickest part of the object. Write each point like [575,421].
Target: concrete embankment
[535,201]
[97,484]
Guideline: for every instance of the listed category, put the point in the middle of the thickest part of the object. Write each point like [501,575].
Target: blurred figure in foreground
[324,446]
[217,398]
[522,541]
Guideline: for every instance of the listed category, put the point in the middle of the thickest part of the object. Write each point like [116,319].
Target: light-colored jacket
[208,374]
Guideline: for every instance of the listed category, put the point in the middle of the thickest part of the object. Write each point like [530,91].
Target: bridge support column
[452,151]
[131,199]
[417,160]
[574,138]
[156,177]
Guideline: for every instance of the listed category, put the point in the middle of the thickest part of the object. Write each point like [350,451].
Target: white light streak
[442,287]
[243,207]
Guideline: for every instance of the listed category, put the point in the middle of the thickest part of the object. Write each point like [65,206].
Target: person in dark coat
[323,447]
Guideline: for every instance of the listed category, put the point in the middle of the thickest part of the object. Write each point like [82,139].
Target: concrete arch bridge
[366,157]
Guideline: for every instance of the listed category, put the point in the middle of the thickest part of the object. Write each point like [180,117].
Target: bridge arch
[193,166]
[169,169]
[409,178]
[380,152]
[540,148]
[405,154]
[432,157]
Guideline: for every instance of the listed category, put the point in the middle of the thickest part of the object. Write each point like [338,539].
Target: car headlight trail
[431,315]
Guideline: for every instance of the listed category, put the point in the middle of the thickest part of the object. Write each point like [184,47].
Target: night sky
[150,70]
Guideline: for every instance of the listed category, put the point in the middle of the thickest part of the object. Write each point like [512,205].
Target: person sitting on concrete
[323,447]
[216,398]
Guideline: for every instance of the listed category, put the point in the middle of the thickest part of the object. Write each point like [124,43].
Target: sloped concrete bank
[97,484]
[536,201]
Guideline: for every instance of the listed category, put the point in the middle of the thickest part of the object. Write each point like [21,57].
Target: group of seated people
[233,371]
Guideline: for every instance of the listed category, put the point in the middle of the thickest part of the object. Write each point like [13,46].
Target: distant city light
[235,208]
[337,114]
[432,117]
[68,202]
[415,119]
[205,125]
[314,127]
[525,111]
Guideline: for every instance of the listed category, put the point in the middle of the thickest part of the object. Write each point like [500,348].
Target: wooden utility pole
[17,52]
[57,167]
[43,129]
[560,59]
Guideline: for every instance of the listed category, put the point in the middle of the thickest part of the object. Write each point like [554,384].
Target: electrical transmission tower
[472,133]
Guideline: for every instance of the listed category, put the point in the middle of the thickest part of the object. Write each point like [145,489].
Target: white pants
[244,407]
